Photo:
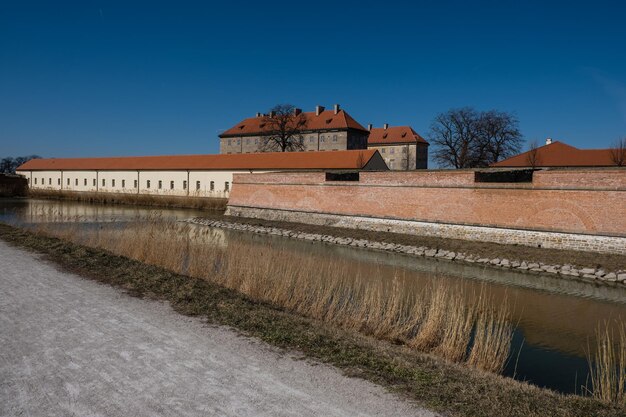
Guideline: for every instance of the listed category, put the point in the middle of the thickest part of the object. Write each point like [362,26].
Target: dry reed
[440,319]
[608,365]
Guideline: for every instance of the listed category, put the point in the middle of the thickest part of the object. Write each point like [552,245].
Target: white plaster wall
[46,180]
[102,181]
[219,178]
[165,177]
[124,181]
[79,180]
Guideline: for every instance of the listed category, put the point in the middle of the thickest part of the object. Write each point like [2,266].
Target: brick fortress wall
[582,209]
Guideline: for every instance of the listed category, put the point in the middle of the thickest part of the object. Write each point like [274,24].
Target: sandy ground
[72,347]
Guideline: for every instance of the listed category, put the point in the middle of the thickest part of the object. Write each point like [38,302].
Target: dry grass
[161,200]
[442,318]
[608,365]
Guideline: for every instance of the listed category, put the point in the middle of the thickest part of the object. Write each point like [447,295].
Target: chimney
[385,126]
[297,111]
[319,110]
[258,114]
[369,127]
[548,141]
[336,108]
[272,113]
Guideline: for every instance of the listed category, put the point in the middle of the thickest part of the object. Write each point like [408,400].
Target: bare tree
[455,135]
[6,165]
[9,164]
[618,152]
[500,136]
[532,156]
[466,138]
[283,127]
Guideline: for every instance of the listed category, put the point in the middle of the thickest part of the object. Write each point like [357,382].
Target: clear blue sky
[104,78]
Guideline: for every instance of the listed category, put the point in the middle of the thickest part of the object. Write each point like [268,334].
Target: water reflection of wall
[59,211]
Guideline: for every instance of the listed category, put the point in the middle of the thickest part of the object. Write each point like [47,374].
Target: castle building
[334,130]
[325,130]
[400,146]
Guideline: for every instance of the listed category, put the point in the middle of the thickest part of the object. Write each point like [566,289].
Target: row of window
[123,184]
[392,150]
[311,140]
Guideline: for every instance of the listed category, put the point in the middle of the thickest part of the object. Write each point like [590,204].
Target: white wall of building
[179,183]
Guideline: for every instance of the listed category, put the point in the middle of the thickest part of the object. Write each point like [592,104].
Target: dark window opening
[518,175]
[342,176]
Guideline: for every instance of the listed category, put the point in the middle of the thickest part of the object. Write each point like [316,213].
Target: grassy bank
[218,205]
[436,383]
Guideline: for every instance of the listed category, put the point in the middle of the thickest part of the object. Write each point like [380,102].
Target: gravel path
[72,347]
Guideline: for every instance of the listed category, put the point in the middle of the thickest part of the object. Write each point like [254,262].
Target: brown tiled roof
[326,120]
[559,154]
[394,134]
[353,159]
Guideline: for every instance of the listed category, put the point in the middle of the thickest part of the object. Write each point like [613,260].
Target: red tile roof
[324,121]
[354,159]
[394,134]
[559,154]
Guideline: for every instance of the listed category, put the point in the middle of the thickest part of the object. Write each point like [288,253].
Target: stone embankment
[566,271]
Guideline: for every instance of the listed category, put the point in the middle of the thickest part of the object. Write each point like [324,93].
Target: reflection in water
[556,318]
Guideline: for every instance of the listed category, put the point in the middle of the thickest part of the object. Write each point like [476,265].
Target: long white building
[181,175]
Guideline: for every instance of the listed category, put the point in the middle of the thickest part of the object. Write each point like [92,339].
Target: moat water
[556,319]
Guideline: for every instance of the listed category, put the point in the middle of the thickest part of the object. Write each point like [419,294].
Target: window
[49,181]
[68,181]
[85,182]
[76,182]
[58,181]
[256,141]
[248,141]
[238,141]
[403,150]
[123,183]
[334,138]
[104,182]
[184,185]
[197,185]
[230,142]
[392,150]
[113,183]
[311,139]
[322,138]
[160,184]
[135,183]
[94,182]
[35,180]
[148,184]
[382,150]
[226,186]
[212,185]
[171,185]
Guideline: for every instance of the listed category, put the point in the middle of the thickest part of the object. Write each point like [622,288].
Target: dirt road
[72,347]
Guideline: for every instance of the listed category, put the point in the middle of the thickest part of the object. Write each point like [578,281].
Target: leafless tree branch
[283,127]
